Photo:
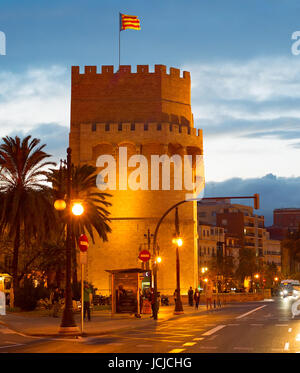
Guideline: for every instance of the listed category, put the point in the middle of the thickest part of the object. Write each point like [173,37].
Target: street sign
[83,257]
[83,243]
[144,255]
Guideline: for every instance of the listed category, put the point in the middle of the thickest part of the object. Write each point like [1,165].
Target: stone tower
[149,113]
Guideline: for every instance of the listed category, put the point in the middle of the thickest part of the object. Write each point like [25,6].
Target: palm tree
[83,187]
[25,203]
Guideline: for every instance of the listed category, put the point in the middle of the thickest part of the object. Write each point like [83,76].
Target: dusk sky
[245,78]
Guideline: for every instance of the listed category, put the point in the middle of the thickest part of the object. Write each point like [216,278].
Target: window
[146,127]
[94,127]
[159,127]
[224,221]
[132,127]
[120,127]
[107,127]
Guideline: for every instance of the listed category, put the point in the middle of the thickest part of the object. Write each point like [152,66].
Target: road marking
[114,344]
[281,325]
[286,346]
[176,350]
[248,313]
[198,339]
[212,331]
[7,331]
[189,344]
[152,339]
[20,344]
[143,346]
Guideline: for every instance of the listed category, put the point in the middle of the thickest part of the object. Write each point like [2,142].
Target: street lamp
[68,325]
[178,241]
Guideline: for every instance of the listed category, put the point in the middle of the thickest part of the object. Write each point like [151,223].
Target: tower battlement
[126,69]
[126,96]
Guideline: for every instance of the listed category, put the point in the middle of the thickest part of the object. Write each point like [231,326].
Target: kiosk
[127,286]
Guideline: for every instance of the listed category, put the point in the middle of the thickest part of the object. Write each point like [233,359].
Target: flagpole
[119,40]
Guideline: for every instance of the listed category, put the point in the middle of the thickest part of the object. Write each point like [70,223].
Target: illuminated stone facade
[149,113]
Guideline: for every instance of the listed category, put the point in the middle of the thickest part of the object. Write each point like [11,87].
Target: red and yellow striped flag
[127,21]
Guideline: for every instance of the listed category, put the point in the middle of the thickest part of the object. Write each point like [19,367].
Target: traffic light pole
[256,206]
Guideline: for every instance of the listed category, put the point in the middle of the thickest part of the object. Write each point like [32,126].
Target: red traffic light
[256,201]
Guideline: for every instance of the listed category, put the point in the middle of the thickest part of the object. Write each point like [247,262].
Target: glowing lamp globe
[60,204]
[77,209]
[179,242]
[158,259]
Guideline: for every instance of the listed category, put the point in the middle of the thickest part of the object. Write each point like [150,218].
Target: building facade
[147,113]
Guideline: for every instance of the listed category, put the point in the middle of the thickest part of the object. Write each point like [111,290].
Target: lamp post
[178,241]
[68,325]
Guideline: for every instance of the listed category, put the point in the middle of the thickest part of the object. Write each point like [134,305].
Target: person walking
[175,295]
[152,300]
[197,298]
[86,301]
[190,295]
[208,294]
[55,302]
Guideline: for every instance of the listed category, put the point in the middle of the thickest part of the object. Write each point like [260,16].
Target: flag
[127,22]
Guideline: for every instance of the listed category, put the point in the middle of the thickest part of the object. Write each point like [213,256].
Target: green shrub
[26,297]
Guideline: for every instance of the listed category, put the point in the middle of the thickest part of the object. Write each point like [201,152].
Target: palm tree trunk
[16,257]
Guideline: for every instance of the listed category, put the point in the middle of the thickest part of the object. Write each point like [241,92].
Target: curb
[93,334]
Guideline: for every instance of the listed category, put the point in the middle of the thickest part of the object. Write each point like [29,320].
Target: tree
[247,263]
[83,188]
[25,198]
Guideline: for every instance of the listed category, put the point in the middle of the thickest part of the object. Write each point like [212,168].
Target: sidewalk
[102,322]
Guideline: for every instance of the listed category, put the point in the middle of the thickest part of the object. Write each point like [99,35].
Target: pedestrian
[208,294]
[86,301]
[152,300]
[175,295]
[190,295]
[197,298]
[55,302]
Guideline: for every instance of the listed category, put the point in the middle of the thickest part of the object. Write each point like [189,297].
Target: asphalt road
[257,327]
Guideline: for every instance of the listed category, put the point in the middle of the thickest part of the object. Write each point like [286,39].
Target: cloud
[53,135]
[275,192]
[247,97]
[32,97]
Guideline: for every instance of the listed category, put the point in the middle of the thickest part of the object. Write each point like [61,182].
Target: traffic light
[256,201]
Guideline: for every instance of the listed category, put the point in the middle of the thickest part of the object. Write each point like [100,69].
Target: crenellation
[107,69]
[174,72]
[90,70]
[160,69]
[125,69]
[142,69]
[139,128]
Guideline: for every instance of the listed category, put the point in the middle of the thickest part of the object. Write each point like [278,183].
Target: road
[257,327]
